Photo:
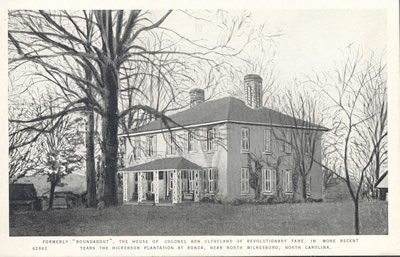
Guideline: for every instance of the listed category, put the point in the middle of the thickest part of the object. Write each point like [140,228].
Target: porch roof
[174,163]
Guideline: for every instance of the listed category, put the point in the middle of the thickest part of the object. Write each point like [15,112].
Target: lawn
[204,219]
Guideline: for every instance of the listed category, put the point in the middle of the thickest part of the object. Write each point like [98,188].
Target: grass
[204,219]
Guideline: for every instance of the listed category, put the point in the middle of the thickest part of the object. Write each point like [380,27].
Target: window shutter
[155,145]
[273,187]
[242,180]
[215,138]
[195,141]
[186,141]
[263,180]
[205,171]
[284,181]
[167,142]
[215,171]
[267,140]
[139,148]
[204,139]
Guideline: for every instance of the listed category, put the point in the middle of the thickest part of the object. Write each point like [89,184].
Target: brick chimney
[196,96]
[253,91]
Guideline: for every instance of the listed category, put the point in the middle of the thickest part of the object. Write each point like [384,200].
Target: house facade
[222,149]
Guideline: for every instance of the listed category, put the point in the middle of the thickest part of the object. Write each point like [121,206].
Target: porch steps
[162,204]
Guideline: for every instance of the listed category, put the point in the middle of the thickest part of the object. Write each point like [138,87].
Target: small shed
[382,186]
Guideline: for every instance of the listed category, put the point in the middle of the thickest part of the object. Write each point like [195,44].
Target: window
[308,186]
[268,180]
[171,143]
[288,143]
[191,180]
[149,179]
[267,141]
[245,139]
[287,181]
[281,146]
[245,185]
[151,145]
[307,138]
[210,180]
[171,180]
[136,149]
[211,139]
[205,180]
[192,141]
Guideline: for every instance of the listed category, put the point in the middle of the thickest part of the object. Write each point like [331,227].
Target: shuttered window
[288,143]
[245,139]
[268,180]
[287,185]
[210,178]
[244,185]
[267,141]
[171,143]
[151,145]
[210,139]
[192,141]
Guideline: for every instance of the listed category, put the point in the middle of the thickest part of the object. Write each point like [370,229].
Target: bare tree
[103,43]
[305,138]
[354,149]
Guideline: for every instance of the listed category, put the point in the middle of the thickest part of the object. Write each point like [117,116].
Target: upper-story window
[212,138]
[245,140]
[307,139]
[288,143]
[192,141]
[151,145]
[171,143]
[136,149]
[267,141]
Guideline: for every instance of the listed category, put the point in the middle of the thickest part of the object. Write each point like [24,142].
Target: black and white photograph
[201,131]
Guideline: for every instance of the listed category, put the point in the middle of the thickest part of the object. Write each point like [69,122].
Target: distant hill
[73,182]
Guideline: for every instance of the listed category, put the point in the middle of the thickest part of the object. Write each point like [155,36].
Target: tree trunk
[51,197]
[356,218]
[110,131]
[304,187]
[90,163]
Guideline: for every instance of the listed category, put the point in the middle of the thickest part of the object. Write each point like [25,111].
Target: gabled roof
[382,182]
[227,109]
[175,163]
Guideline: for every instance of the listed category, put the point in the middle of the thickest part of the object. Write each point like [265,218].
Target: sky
[311,40]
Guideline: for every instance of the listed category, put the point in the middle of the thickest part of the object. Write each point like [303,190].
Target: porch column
[196,186]
[125,186]
[179,186]
[155,186]
[174,186]
[140,187]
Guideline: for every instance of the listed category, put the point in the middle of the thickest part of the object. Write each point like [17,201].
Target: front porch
[162,182]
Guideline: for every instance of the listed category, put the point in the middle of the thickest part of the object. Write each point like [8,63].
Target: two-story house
[214,149]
